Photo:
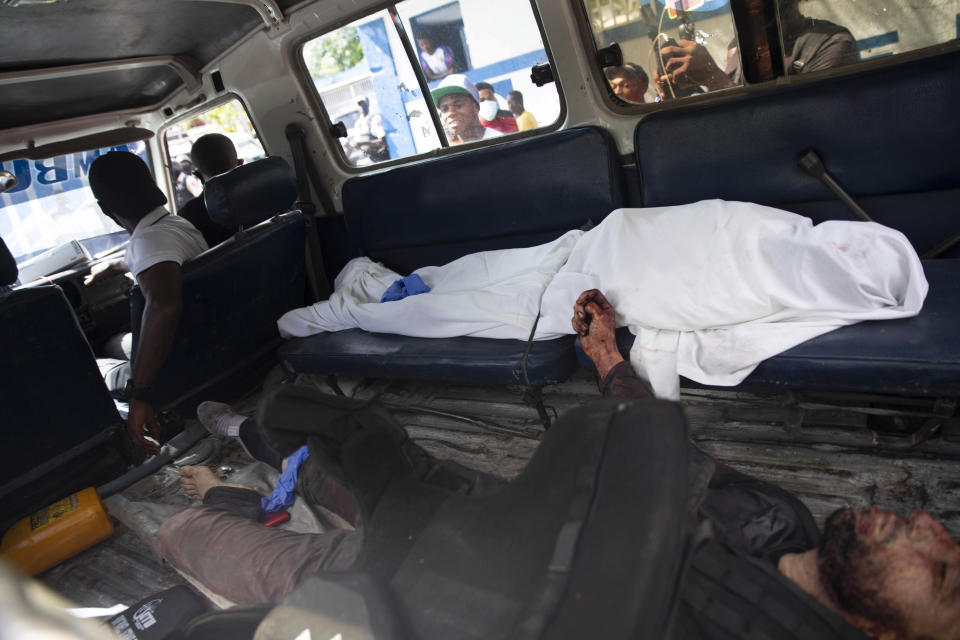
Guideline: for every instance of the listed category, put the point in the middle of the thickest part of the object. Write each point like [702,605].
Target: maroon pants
[247,562]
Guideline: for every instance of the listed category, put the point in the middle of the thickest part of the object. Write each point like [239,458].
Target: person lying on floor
[871,572]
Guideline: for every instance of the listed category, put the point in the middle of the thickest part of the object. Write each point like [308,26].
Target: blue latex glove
[282,496]
[409,286]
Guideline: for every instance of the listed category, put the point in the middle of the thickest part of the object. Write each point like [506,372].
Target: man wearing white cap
[458,102]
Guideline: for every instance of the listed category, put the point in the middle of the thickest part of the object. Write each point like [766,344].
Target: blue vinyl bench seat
[359,353]
[917,356]
[889,136]
[515,194]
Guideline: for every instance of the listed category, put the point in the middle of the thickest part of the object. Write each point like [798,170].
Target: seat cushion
[917,356]
[360,353]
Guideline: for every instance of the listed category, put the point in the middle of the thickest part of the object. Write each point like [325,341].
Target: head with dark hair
[425,42]
[213,154]
[902,577]
[515,102]
[486,91]
[629,82]
[124,188]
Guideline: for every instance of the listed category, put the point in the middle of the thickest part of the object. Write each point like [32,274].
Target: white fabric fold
[710,289]
[714,288]
[493,294]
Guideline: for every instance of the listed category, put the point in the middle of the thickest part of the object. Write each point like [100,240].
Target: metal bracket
[943,410]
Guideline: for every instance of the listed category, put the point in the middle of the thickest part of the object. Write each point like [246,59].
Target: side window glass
[52,204]
[819,34]
[670,51]
[475,55]
[364,80]
[229,139]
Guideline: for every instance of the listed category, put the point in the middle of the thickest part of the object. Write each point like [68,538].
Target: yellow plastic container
[57,532]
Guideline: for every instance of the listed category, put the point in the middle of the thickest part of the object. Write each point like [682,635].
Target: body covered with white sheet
[714,288]
[493,294]
[710,289]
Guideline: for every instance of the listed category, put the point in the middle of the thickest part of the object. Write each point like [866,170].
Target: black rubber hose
[176,446]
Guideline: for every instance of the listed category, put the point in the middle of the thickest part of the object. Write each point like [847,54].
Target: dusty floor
[827,455]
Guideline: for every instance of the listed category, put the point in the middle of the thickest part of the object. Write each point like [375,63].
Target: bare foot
[196,481]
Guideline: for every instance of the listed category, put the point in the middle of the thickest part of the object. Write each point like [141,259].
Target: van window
[647,30]
[878,29]
[366,81]
[52,204]
[229,119]
[701,52]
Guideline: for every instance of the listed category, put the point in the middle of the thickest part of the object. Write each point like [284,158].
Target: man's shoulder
[817,33]
[823,44]
[168,239]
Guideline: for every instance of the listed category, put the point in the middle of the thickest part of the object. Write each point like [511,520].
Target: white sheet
[709,289]
[493,294]
[714,288]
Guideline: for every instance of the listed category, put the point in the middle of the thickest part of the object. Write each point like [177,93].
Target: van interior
[344,154]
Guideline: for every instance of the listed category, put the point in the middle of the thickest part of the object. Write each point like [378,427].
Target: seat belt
[307,173]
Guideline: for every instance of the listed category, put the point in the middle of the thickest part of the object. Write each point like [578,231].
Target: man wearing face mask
[491,115]
[458,102]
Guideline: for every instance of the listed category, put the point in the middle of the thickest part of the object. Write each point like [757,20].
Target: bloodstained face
[901,573]
[459,113]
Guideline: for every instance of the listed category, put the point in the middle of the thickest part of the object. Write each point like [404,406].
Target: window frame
[325,124]
[161,137]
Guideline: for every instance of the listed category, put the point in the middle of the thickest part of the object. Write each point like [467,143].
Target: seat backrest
[234,293]
[54,403]
[515,194]
[250,193]
[587,542]
[889,137]
[8,266]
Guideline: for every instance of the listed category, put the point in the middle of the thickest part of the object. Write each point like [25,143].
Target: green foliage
[229,118]
[333,53]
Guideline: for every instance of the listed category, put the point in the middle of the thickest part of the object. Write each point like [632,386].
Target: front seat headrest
[8,266]
[251,193]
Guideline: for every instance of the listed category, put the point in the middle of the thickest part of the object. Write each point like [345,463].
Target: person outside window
[458,102]
[629,82]
[436,60]
[491,115]
[809,45]
[525,119]
[368,134]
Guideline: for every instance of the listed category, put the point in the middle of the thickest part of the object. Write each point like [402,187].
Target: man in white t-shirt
[159,245]
[458,102]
